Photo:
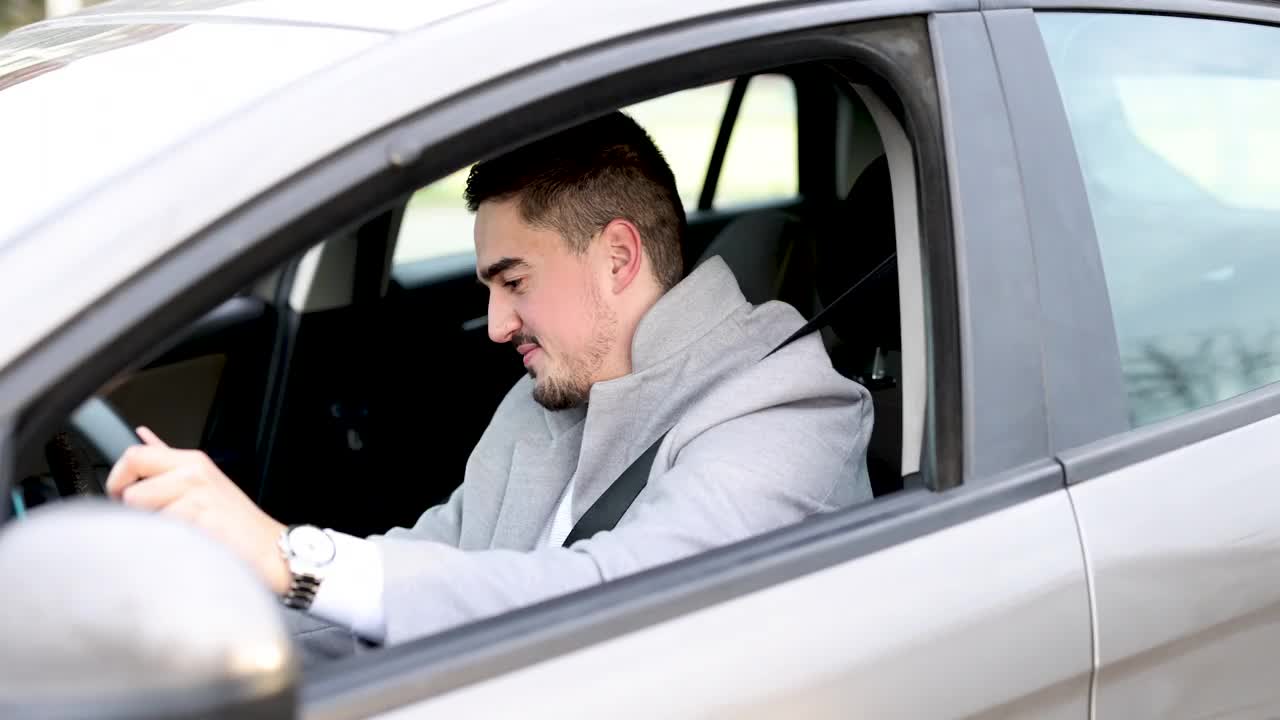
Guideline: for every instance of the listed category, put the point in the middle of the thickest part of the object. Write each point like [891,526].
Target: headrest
[856,238]
[754,246]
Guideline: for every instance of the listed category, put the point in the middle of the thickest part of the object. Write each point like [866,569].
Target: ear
[620,240]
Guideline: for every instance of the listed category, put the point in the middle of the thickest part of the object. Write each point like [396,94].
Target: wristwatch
[307,550]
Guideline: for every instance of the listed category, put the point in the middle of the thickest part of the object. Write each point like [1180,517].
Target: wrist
[275,570]
[304,552]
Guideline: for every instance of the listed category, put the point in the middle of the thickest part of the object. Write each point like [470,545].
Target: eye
[513,284]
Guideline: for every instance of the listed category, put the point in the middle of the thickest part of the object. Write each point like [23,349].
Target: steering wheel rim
[103,428]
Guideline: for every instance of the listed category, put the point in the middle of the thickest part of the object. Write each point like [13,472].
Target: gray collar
[685,313]
[679,318]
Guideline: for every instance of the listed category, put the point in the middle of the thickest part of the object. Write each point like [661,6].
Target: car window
[760,162]
[436,222]
[1174,125]
[684,125]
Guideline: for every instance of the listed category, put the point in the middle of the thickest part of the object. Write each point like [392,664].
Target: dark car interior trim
[1086,396]
[282,346]
[8,466]
[204,335]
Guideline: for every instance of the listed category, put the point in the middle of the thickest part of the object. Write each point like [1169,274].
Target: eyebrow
[501,266]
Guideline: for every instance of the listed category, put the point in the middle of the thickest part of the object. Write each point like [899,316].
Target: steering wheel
[104,431]
[104,428]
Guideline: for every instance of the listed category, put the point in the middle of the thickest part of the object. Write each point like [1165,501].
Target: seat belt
[820,319]
[609,508]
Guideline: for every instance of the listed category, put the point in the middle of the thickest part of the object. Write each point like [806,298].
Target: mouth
[528,351]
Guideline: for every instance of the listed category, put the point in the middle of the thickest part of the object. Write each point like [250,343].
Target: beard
[569,386]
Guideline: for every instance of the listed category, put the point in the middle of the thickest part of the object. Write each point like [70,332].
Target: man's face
[546,301]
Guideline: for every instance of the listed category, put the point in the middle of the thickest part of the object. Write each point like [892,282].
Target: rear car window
[1174,122]
[760,163]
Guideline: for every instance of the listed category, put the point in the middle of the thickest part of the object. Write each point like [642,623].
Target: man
[578,239]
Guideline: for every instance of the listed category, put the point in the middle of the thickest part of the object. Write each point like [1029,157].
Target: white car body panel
[968,633]
[127,221]
[1184,553]
[180,80]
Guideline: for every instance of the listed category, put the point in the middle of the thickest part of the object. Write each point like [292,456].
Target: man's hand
[186,484]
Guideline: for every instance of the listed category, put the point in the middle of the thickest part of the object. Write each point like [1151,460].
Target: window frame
[1088,406]
[340,190]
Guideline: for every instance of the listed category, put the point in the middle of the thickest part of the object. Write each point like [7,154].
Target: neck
[629,312]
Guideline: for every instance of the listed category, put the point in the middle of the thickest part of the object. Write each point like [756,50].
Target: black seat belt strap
[820,319]
[609,508]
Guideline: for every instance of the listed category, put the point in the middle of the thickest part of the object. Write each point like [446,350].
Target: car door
[965,597]
[1171,169]
[962,595]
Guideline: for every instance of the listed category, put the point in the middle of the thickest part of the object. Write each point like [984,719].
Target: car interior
[347,387]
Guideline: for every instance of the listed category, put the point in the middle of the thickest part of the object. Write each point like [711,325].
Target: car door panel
[987,615]
[948,619]
[1172,460]
[951,624]
[1184,555]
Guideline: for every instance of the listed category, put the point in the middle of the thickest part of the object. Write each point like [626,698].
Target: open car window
[759,164]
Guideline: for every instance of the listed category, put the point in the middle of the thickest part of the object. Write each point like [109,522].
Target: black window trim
[1085,392]
[1005,420]
[194,277]
[8,466]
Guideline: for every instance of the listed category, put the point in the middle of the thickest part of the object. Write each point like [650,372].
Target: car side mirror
[111,612]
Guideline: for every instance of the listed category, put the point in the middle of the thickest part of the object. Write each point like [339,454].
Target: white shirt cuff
[351,593]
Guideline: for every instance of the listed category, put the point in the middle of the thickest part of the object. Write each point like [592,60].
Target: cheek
[561,319]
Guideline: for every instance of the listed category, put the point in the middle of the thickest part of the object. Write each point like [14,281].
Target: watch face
[311,544]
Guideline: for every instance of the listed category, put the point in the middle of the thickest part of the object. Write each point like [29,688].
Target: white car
[239,223]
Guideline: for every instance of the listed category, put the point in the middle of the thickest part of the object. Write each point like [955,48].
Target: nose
[503,320]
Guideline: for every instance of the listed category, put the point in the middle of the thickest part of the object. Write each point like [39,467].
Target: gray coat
[754,444]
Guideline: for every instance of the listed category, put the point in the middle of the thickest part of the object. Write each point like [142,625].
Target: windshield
[80,104]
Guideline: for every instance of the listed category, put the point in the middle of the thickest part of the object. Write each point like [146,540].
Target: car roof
[86,96]
[347,80]
[370,15]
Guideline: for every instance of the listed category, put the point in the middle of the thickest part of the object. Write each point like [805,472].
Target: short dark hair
[578,180]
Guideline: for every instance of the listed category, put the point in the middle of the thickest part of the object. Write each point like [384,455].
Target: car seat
[776,257]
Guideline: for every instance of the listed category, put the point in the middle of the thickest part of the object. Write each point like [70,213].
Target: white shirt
[351,593]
